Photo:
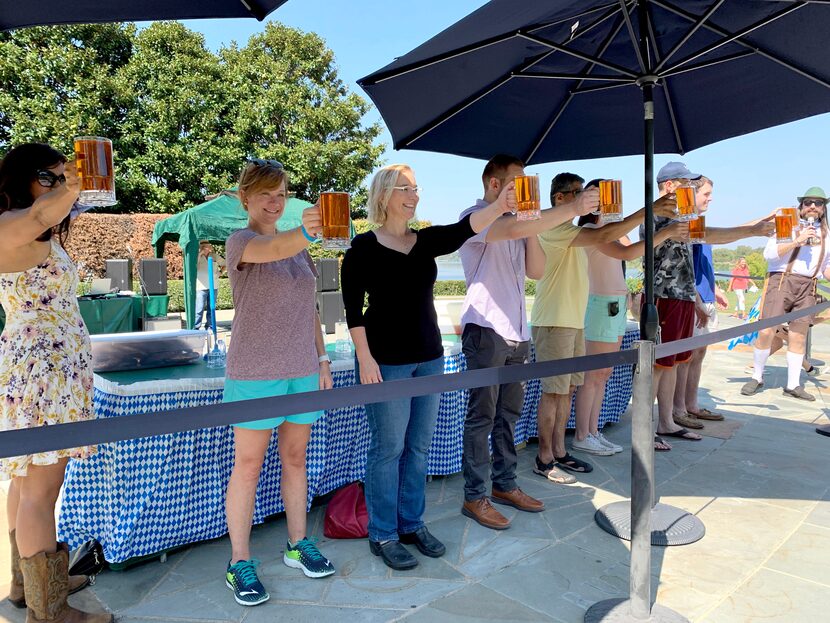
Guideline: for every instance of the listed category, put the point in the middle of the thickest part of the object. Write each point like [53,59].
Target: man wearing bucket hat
[793,269]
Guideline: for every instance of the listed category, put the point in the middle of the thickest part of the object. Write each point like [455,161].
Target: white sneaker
[608,444]
[591,445]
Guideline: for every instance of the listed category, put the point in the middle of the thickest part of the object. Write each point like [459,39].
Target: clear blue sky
[753,174]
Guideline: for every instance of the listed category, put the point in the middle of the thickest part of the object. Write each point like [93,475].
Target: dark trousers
[492,411]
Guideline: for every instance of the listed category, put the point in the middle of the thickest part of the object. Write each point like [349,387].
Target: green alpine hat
[815,192]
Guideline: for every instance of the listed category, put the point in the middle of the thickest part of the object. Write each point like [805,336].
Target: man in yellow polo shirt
[558,319]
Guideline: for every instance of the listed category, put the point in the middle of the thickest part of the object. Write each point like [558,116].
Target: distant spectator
[738,284]
[203,283]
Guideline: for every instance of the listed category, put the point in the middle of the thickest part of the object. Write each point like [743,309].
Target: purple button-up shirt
[495,275]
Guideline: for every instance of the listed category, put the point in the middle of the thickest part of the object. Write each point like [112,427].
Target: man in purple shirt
[495,333]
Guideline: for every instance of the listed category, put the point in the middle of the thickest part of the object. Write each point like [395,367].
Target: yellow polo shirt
[562,292]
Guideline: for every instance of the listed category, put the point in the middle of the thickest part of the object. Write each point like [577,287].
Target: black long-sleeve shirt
[400,321]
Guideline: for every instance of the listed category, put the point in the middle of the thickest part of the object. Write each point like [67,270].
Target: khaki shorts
[559,343]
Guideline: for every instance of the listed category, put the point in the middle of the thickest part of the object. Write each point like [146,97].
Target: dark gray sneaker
[751,387]
[798,392]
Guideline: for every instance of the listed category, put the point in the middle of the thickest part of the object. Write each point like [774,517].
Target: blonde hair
[380,191]
[258,177]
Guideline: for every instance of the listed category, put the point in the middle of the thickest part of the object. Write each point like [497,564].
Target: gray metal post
[642,480]
[638,607]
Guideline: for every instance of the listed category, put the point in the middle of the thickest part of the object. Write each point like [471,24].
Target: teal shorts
[248,390]
[599,325]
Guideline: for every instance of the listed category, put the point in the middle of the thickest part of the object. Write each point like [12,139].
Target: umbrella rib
[466,103]
[706,64]
[632,36]
[755,49]
[666,90]
[585,57]
[595,77]
[382,76]
[615,31]
[737,36]
[604,87]
[695,27]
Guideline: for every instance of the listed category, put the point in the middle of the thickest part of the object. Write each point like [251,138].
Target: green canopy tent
[214,221]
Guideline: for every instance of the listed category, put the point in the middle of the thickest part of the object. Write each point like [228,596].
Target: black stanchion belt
[59,436]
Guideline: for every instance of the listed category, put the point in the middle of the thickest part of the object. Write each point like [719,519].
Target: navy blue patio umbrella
[19,14]
[551,80]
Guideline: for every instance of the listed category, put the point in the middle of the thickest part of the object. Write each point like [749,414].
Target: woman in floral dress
[45,369]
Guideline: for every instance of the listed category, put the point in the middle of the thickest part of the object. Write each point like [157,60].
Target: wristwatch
[324,357]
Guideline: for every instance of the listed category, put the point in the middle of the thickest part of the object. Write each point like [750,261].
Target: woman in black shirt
[397,337]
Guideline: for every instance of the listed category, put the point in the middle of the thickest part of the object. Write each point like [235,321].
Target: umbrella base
[619,611]
[669,525]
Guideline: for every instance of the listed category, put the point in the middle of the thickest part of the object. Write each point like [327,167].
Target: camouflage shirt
[674,272]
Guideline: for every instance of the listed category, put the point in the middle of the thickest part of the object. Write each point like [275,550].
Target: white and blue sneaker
[242,579]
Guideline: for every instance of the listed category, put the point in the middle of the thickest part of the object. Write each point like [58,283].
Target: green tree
[175,145]
[183,119]
[59,82]
[292,106]
[757,265]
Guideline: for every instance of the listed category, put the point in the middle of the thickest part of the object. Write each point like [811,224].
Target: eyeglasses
[574,192]
[408,189]
[819,203]
[260,162]
[47,179]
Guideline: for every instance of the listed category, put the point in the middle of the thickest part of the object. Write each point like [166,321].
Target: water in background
[452,271]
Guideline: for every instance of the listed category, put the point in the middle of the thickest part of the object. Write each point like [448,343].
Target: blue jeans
[203,307]
[396,463]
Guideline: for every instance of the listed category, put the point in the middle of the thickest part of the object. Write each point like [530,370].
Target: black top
[401,323]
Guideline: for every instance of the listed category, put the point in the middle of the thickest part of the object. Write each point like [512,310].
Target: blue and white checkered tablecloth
[144,496]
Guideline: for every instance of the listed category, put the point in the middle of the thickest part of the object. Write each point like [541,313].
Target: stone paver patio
[763,495]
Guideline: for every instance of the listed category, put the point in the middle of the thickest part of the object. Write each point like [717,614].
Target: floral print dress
[45,356]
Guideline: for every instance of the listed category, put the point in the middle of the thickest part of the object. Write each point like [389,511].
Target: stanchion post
[637,608]
[642,479]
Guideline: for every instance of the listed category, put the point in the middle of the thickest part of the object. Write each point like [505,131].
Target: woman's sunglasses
[47,179]
[266,163]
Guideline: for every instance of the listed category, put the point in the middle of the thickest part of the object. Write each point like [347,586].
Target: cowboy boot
[16,594]
[46,584]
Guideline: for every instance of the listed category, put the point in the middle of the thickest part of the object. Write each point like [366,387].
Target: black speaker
[153,273]
[328,274]
[331,309]
[120,272]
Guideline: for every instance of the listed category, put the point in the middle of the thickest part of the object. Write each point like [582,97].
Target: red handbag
[346,514]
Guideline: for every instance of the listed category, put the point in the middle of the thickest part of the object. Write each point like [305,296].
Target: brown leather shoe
[687,422]
[518,499]
[482,511]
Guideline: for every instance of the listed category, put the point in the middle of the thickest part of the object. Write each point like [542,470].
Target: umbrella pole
[641,520]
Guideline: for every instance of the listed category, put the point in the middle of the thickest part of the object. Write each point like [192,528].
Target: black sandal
[572,464]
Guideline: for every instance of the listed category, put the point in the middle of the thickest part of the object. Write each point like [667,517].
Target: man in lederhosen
[794,268]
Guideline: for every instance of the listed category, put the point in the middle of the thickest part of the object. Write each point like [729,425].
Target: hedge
[225,300]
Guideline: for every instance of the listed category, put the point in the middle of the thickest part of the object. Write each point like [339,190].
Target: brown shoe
[518,499]
[482,511]
[705,414]
[46,584]
[16,594]
[686,421]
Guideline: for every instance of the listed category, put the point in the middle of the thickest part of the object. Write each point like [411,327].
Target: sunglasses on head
[47,179]
[820,203]
[260,162]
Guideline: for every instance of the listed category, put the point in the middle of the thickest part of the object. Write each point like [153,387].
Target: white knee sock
[761,356]
[794,369]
